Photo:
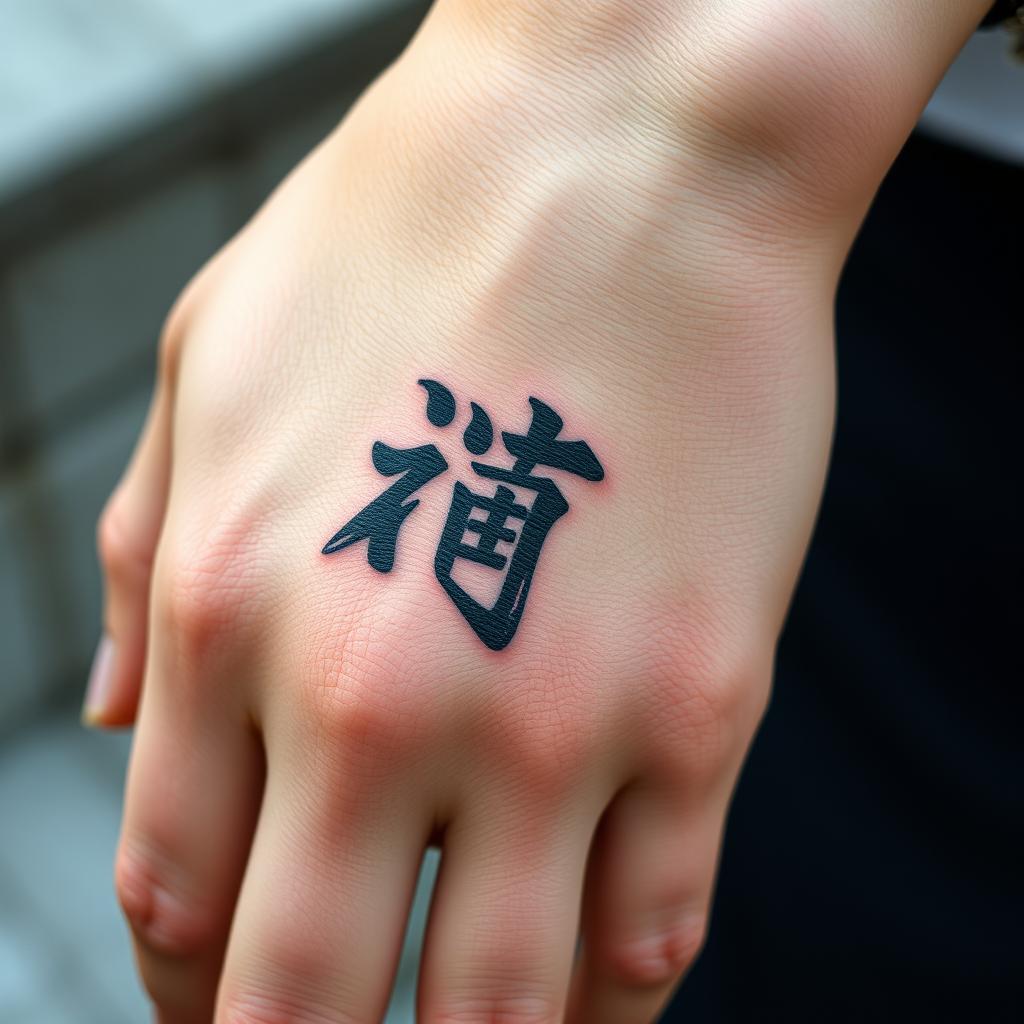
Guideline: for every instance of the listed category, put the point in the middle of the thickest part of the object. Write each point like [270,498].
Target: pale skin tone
[637,212]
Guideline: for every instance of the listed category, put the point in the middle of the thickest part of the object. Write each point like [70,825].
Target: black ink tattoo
[381,520]
[440,403]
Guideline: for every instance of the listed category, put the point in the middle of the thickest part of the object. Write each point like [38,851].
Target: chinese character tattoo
[519,511]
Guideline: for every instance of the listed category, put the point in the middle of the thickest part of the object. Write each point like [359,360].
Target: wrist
[547,180]
[597,63]
[814,98]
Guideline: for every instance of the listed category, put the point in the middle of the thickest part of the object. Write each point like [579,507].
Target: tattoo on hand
[520,496]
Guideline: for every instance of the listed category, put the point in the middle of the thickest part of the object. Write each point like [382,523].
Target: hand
[656,266]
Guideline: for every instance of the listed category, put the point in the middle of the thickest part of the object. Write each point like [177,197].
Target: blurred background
[135,137]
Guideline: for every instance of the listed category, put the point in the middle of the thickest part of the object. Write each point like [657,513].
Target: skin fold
[636,213]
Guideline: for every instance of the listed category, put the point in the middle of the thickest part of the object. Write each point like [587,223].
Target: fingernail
[101,675]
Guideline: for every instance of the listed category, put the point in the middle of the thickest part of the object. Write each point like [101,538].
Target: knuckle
[715,674]
[518,1008]
[193,603]
[281,978]
[122,557]
[546,743]
[352,715]
[366,698]
[708,689]
[161,917]
[169,348]
[545,757]
[657,958]
[505,977]
[263,1008]
[203,591]
[369,723]
[172,333]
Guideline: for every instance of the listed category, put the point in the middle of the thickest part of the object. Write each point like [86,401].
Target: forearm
[668,52]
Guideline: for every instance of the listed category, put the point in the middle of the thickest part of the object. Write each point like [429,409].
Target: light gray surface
[60,804]
[20,645]
[980,102]
[110,282]
[75,75]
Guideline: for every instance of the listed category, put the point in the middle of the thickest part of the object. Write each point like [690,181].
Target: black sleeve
[1001,11]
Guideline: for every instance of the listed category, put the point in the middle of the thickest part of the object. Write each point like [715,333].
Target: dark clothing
[874,860]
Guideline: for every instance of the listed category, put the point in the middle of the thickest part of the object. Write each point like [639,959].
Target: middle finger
[503,924]
[320,921]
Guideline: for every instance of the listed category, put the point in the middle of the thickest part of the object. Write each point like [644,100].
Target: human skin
[637,213]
